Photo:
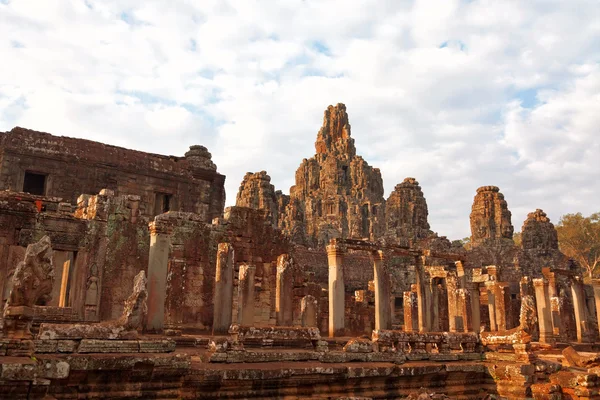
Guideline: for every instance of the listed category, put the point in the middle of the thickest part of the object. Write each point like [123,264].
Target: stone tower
[337,193]
[538,232]
[490,217]
[256,191]
[406,213]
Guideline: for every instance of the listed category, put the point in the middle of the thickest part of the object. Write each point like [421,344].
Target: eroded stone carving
[257,192]
[34,276]
[406,213]
[538,232]
[31,284]
[490,217]
[521,334]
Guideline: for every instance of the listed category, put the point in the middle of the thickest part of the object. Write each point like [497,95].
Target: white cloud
[458,94]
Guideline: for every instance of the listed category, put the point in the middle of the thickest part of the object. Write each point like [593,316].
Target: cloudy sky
[457,94]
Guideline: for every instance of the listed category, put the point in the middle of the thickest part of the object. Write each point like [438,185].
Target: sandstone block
[109,346]
[157,346]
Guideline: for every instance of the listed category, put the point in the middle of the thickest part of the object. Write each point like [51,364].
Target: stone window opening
[34,183]
[398,302]
[345,174]
[162,203]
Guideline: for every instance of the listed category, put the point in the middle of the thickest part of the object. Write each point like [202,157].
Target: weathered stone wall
[76,166]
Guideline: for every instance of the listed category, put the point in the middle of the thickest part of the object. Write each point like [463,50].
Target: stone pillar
[433,301]
[473,288]
[284,291]
[422,295]
[308,311]
[223,301]
[158,263]
[544,312]
[454,313]
[491,294]
[411,310]
[381,281]
[336,290]
[460,271]
[596,287]
[559,330]
[579,308]
[501,301]
[246,295]
[464,322]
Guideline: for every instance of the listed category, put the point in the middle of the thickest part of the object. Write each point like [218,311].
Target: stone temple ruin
[122,275]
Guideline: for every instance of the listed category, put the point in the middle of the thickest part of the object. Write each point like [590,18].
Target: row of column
[420,304]
[463,307]
[550,320]
[160,232]
[381,283]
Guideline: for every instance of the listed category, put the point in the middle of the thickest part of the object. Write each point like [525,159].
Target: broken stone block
[574,359]
[359,345]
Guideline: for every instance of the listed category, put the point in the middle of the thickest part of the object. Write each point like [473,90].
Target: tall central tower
[337,193]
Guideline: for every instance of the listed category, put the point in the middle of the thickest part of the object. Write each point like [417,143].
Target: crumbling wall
[75,166]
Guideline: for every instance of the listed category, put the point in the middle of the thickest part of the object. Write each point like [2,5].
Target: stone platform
[205,367]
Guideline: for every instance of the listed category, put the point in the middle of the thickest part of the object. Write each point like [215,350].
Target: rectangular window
[162,203]
[34,183]
[399,302]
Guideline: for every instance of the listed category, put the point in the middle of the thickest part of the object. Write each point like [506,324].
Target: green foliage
[579,239]
[464,242]
[518,238]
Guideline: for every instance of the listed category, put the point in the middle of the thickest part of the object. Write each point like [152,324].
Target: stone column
[579,307]
[501,301]
[596,287]
[284,291]
[542,300]
[454,313]
[336,290]
[246,295]
[424,324]
[381,282]
[407,304]
[223,301]
[308,311]
[473,288]
[491,294]
[557,321]
[158,263]
[465,317]
[433,302]
[460,271]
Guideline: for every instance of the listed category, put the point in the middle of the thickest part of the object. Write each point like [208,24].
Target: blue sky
[457,94]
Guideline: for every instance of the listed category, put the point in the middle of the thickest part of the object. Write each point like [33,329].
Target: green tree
[518,239]
[579,239]
[464,242]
